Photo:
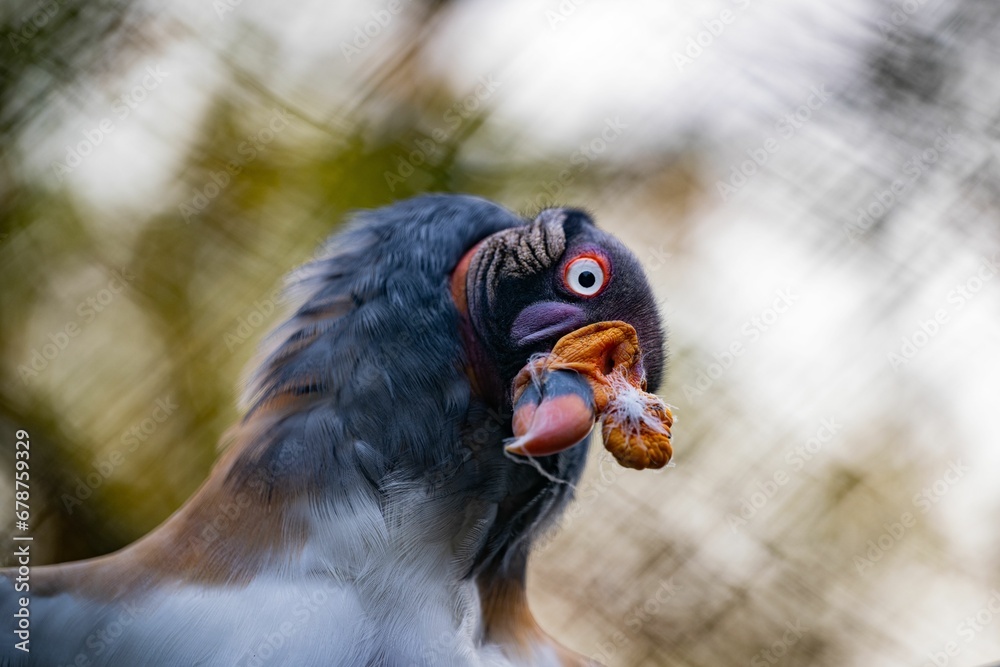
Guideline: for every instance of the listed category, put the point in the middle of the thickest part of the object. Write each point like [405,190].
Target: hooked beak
[555,412]
[593,372]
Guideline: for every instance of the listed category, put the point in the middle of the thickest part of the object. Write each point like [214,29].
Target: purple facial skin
[544,320]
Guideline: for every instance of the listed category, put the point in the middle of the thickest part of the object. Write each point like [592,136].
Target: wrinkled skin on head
[520,300]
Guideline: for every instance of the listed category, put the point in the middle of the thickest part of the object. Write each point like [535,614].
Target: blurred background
[812,188]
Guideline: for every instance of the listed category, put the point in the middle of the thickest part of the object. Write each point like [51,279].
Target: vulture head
[524,288]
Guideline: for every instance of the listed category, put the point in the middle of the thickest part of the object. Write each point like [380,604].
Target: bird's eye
[585,275]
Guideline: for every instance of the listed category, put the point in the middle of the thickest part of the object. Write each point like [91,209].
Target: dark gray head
[530,285]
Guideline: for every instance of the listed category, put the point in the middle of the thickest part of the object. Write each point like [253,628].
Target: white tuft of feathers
[631,410]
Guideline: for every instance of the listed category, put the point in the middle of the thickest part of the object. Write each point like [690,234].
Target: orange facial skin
[605,357]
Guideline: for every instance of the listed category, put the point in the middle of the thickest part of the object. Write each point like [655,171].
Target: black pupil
[587,279]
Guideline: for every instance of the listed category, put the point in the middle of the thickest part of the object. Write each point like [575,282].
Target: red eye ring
[587,274]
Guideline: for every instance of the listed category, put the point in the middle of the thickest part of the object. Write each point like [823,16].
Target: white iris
[585,276]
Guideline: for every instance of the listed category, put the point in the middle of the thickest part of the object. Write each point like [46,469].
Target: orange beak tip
[516,447]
